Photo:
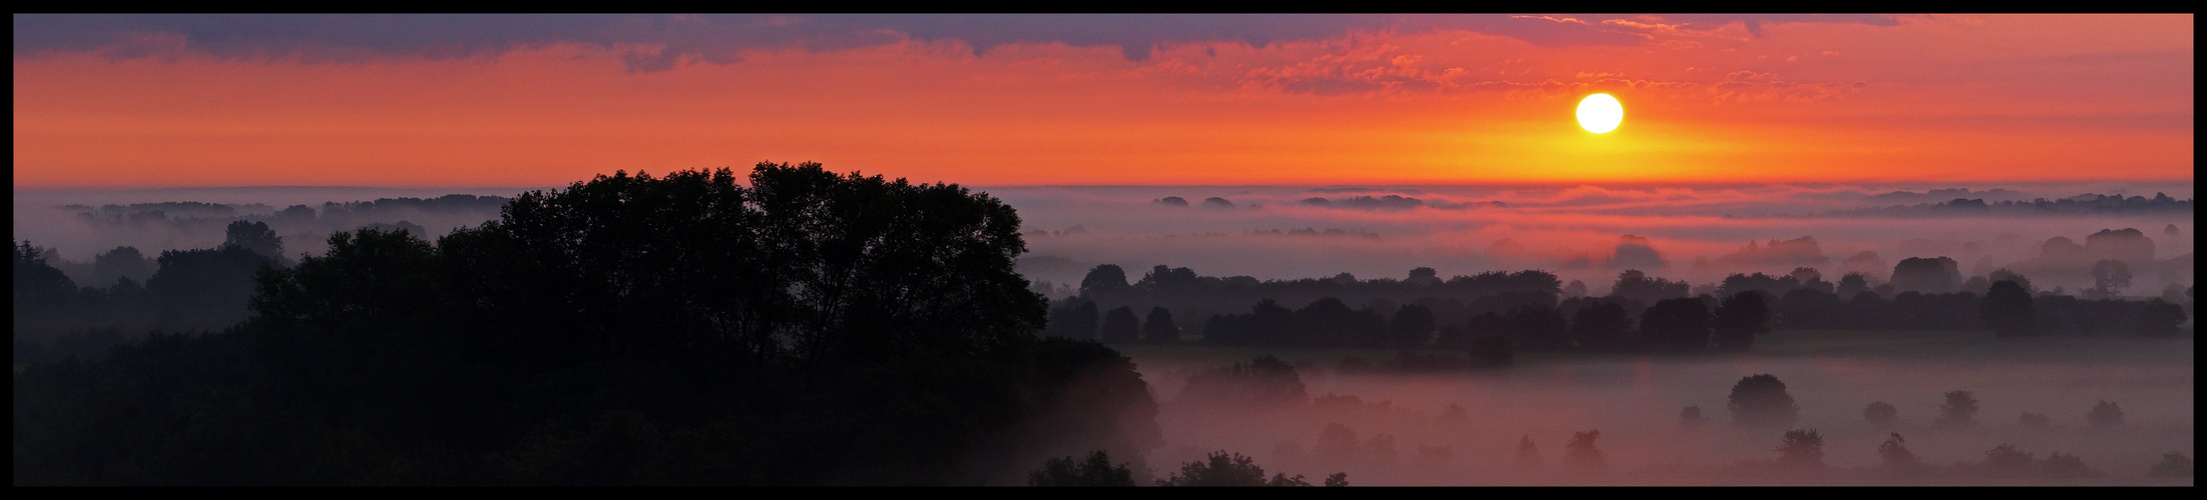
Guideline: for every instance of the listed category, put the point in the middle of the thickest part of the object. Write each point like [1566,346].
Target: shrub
[1761,400]
[2105,414]
[1095,471]
[1881,414]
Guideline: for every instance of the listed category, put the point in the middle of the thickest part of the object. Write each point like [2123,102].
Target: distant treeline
[1531,310]
[452,203]
[2083,204]
[183,291]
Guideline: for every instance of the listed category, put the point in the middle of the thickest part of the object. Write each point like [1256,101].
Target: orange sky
[1949,98]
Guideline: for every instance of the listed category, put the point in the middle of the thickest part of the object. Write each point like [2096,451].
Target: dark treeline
[2083,204]
[184,210]
[812,328]
[1495,313]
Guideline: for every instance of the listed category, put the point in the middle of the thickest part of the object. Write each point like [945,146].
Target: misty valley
[794,325]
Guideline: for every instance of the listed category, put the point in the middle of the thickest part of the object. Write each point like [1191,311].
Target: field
[1635,402]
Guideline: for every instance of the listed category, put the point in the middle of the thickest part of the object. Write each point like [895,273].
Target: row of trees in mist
[182,290]
[1643,313]
[809,328]
[1621,322]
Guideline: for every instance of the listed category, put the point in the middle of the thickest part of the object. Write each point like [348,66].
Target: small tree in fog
[2109,278]
[1602,325]
[1894,454]
[1453,417]
[254,236]
[1528,455]
[2008,460]
[1960,410]
[1881,415]
[1691,418]
[1739,319]
[1338,443]
[1104,279]
[1802,449]
[1119,325]
[2159,318]
[2063,465]
[1224,469]
[1581,456]
[2105,414]
[1680,324]
[1761,401]
[2007,310]
[2173,464]
[1412,326]
[1095,471]
[1159,327]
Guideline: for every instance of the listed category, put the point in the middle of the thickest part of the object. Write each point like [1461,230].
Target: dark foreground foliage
[810,328]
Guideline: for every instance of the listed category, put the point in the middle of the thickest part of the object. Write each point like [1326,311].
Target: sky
[165,101]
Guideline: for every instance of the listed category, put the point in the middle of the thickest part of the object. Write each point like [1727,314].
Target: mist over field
[1635,402]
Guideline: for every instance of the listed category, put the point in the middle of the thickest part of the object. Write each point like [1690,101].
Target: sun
[1600,113]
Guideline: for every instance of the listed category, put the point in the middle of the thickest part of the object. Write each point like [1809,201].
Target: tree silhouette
[1076,320]
[1159,327]
[1413,326]
[1119,326]
[1740,319]
[1928,275]
[1802,449]
[1960,410]
[1263,381]
[1104,279]
[1851,285]
[2007,310]
[1096,470]
[2159,319]
[1691,418]
[1893,454]
[255,236]
[1223,469]
[1680,324]
[1580,455]
[122,262]
[2105,414]
[1881,415]
[1603,325]
[1527,456]
[805,327]
[2063,465]
[2173,464]
[2008,461]
[1761,401]
[1539,327]
[2109,278]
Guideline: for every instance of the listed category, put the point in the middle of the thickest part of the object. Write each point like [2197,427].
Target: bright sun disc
[1600,113]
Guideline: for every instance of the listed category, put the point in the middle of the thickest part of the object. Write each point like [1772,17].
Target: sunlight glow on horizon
[1932,98]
